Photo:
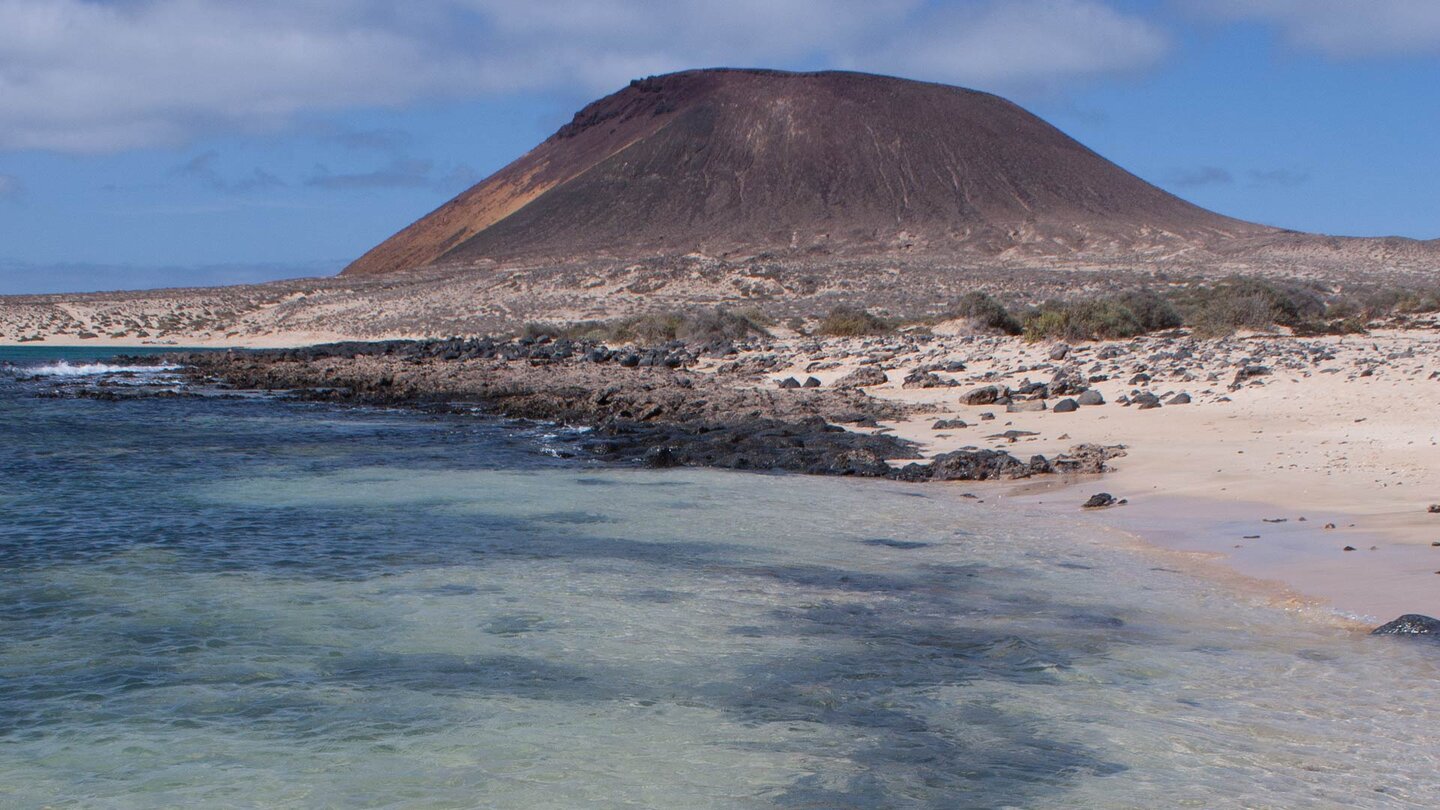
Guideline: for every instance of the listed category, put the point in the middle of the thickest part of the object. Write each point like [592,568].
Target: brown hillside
[740,162]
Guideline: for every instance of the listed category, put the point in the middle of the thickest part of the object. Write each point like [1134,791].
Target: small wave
[65,369]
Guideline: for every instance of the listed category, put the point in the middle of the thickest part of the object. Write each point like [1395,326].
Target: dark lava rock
[972,465]
[862,377]
[1090,397]
[1179,399]
[1411,624]
[1067,382]
[1066,406]
[789,382]
[1100,500]
[1247,373]
[661,458]
[1146,401]
[987,417]
[949,424]
[925,379]
[984,395]
[1087,458]
[811,382]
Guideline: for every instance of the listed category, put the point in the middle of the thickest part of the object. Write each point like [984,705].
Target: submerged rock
[1411,624]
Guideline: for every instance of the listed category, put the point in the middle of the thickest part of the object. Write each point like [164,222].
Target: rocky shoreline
[645,405]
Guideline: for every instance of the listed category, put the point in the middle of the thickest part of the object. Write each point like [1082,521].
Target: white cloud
[1028,43]
[86,75]
[1341,28]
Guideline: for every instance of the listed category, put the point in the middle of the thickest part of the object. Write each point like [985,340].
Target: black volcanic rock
[752,161]
[1411,624]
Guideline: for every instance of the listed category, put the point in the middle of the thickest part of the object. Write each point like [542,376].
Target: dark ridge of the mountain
[732,162]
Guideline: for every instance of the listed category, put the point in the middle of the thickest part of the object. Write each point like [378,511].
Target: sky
[149,143]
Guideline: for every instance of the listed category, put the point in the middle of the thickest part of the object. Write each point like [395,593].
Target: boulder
[1411,624]
[862,377]
[984,395]
[811,382]
[1025,406]
[1066,405]
[924,379]
[1090,397]
[1146,401]
[1247,373]
[1067,382]
[1087,458]
[789,382]
[1100,500]
[1060,352]
[949,424]
[1179,399]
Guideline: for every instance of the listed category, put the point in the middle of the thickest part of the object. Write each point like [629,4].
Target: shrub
[852,322]
[1153,312]
[985,312]
[1103,319]
[1249,303]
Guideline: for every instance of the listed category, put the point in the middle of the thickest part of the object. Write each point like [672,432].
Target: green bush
[1103,319]
[985,312]
[1249,303]
[852,322]
[1153,312]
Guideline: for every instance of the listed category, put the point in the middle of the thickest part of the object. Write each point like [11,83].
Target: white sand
[1359,452]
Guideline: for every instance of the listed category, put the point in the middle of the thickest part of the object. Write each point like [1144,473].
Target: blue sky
[160,142]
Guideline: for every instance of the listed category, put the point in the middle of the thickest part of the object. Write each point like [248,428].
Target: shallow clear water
[256,603]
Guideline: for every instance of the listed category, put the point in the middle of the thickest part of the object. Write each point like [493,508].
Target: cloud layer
[91,76]
[1341,28]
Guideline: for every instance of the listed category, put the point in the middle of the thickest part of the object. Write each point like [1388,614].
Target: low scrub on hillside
[1250,303]
[985,313]
[853,322]
[701,326]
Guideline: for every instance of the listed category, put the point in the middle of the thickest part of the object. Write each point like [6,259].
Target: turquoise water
[250,603]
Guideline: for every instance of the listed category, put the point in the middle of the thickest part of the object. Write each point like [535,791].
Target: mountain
[743,162]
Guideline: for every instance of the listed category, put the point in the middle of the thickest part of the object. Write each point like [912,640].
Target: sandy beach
[1273,480]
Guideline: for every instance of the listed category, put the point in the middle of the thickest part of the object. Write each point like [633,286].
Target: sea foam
[65,369]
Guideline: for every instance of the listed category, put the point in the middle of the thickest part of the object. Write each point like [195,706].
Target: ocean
[236,600]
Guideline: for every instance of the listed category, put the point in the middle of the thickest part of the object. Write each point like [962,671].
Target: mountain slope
[740,162]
